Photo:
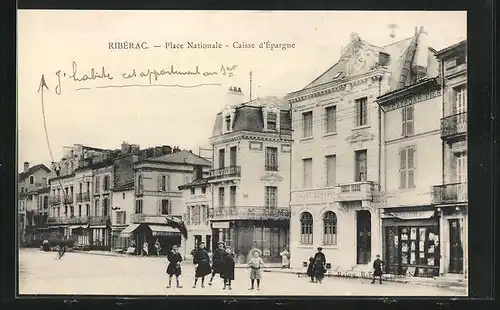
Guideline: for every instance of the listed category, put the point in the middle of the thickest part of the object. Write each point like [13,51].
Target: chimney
[234,96]
[26,166]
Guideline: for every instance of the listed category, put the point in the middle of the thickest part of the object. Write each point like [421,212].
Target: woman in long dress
[285,258]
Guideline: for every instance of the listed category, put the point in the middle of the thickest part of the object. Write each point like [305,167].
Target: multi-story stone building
[157,209]
[338,152]
[74,212]
[33,202]
[250,178]
[413,164]
[450,193]
[197,197]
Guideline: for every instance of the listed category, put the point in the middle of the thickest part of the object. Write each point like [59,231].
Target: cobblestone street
[78,273]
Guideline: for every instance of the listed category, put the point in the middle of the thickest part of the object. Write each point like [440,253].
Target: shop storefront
[411,242]
[270,237]
[138,234]
[80,233]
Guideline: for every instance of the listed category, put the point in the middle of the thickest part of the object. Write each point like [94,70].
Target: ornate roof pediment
[359,56]
[360,136]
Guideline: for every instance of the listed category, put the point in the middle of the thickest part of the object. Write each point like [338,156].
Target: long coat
[228,266]
[377,267]
[217,260]
[319,263]
[202,258]
[174,267]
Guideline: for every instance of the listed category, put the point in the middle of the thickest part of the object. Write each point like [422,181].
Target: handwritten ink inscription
[151,75]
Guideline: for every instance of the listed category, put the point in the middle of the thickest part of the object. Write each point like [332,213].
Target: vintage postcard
[242,153]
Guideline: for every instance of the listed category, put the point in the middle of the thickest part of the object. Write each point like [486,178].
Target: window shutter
[357,116]
[411,153]
[409,120]
[169,207]
[167,183]
[403,122]
[402,168]
[188,215]
[159,182]
[365,111]
[159,206]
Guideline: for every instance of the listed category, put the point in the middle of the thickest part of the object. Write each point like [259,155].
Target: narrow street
[77,273]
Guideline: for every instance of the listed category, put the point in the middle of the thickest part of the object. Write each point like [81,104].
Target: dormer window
[271,121]
[228,123]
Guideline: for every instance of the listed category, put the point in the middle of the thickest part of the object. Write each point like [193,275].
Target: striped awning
[127,232]
[163,230]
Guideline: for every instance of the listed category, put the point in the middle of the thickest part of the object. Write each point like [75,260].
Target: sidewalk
[353,274]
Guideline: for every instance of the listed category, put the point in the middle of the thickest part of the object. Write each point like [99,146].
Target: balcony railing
[68,199]
[356,191]
[453,125]
[227,172]
[68,220]
[86,196]
[250,213]
[79,197]
[55,200]
[99,220]
[450,193]
[271,167]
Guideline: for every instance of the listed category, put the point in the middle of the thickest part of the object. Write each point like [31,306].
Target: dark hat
[221,242]
[200,243]
[320,248]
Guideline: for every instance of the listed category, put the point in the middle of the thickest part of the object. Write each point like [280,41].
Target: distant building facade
[250,179]
[33,203]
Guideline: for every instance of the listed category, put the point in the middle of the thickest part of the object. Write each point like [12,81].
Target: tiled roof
[446,50]
[31,170]
[182,157]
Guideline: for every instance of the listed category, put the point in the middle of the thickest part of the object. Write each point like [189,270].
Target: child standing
[255,263]
[174,266]
[310,269]
[377,269]
[227,268]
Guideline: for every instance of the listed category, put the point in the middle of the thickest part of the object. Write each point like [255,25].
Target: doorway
[456,250]
[364,238]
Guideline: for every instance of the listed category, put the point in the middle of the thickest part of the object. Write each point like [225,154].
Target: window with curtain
[271,162]
[361,111]
[271,197]
[306,228]
[307,124]
[330,119]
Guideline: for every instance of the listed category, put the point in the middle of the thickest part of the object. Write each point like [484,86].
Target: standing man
[319,265]
[217,260]
[377,269]
[201,262]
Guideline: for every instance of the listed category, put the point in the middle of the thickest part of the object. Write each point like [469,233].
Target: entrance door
[456,251]
[364,238]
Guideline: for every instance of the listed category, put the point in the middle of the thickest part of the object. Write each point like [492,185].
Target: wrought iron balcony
[453,125]
[68,199]
[450,193]
[55,200]
[68,220]
[79,197]
[356,191]
[250,213]
[226,172]
[99,220]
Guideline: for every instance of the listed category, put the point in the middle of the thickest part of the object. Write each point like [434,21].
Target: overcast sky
[49,41]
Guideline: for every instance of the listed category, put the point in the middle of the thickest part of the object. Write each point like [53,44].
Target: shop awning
[127,232]
[414,215]
[163,230]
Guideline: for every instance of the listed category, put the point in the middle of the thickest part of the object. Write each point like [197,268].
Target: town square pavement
[80,273]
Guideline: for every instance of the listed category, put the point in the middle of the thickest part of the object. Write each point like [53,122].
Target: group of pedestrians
[222,263]
[317,267]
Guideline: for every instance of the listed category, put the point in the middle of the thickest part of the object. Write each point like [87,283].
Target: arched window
[330,228]
[32,180]
[306,228]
